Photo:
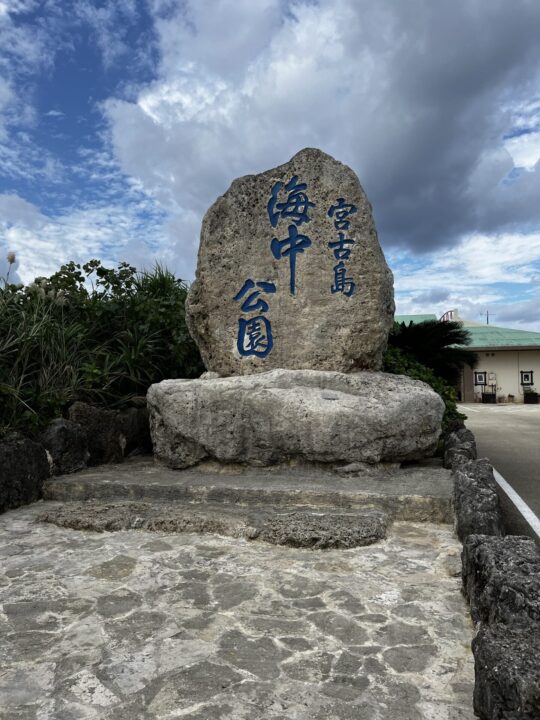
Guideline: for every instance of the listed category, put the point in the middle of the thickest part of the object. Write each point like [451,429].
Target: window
[526,377]
[480,377]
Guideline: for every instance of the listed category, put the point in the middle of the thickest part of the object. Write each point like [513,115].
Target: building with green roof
[488,337]
[508,368]
[414,319]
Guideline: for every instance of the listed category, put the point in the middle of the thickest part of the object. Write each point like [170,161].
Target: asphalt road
[509,435]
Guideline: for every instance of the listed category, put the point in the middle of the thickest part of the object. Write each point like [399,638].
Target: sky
[122,121]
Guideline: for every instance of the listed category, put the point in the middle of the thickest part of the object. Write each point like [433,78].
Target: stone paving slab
[420,492]
[134,625]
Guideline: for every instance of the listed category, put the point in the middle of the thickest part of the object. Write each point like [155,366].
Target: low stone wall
[23,470]
[90,436]
[501,580]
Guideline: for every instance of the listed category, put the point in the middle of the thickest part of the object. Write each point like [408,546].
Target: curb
[501,581]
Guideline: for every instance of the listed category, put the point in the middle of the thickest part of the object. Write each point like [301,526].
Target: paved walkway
[136,625]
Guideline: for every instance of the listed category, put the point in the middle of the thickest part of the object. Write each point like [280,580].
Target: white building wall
[507,364]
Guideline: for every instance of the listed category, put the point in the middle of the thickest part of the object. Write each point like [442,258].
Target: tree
[440,346]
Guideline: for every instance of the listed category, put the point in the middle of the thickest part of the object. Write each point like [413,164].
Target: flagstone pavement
[134,625]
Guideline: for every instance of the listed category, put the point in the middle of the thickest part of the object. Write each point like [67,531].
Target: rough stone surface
[501,577]
[67,445]
[476,502]
[306,528]
[135,625]
[507,673]
[133,424]
[418,492]
[316,416]
[323,530]
[312,328]
[23,470]
[105,440]
[459,447]
[458,437]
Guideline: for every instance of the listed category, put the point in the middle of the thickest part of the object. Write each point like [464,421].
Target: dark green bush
[440,346]
[399,363]
[89,333]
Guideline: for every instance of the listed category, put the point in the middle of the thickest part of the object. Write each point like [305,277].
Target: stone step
[419,493]
[305,528]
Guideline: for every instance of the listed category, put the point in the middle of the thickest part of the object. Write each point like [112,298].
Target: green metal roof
[485,336]
[413,318]
[491,336]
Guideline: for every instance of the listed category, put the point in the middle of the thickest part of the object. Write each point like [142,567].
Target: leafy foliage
[89,333]
[399,363]
[439,346]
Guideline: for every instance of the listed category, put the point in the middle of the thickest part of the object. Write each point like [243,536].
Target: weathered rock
[105,440]
[323,530]
[315,323]
[453,457]
[67,445]
[476,502]
[501,577]
[459,437]
[23,470]
[155,517]
[133,424]
[459,447]
[311,415]
[309,529]
[507,673]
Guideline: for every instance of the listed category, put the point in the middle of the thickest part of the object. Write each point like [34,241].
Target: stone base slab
[421,493]
[299,528]
[309,415]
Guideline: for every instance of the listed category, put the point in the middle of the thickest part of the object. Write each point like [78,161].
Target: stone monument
[290,274]
[291,309]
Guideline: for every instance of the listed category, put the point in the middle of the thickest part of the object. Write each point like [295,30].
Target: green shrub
[399,363]
[89,333]
[440,346]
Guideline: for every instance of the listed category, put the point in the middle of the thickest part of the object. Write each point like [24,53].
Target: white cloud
[479,274]
[417,97]
[241,86]
[525,150]
[112,233]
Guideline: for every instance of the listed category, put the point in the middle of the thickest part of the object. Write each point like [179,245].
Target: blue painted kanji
[342,284]
[253,302]
[341,211]
[341,251]
[290,247]
[295,207]
[254,336]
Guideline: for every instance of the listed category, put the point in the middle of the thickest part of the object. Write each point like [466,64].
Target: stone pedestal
[306,415]
[291,309]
